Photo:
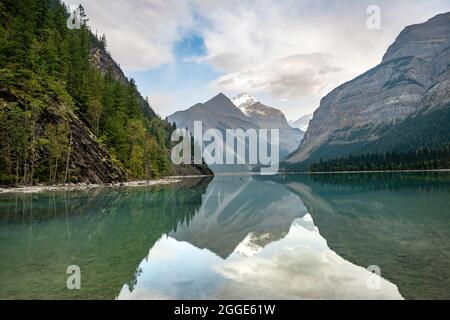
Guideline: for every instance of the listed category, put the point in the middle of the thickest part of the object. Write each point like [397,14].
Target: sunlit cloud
[293,52]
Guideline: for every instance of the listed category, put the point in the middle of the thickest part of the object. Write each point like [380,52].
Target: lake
[249,237]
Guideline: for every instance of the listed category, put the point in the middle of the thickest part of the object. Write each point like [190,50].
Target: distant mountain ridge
[221,113]
[393,106]
[302,123]
[270,118]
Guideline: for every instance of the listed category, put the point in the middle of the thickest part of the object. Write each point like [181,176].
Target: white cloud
[163,104]
[140,33]
[260,45]
[288,77]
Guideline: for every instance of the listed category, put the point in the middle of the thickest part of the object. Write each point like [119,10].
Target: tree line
[419,159]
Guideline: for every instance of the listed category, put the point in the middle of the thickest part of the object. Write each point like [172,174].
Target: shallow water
[283,237]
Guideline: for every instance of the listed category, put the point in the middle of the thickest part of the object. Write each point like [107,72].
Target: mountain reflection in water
[283,237]
[251,239]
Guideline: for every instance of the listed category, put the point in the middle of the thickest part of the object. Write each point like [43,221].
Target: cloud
[259,45]
[163,104]
[263,45]
[287,77]
[140,33]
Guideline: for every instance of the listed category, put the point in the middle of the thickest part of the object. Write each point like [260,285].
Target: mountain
[217,113]
[302,123]
[402,104]
[67,111]
[386,213]
[243,112]
[243,101]
[230,218]
[270,118]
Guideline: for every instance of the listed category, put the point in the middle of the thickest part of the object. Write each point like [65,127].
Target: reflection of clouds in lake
[141,294]
[300,266]
[162,252]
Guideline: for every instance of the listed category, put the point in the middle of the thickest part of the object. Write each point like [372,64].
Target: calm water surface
[284,237]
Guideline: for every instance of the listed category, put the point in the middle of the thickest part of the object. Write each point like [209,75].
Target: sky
[288,54]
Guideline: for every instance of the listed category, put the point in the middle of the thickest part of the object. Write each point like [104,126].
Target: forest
[419,159]
[47,72]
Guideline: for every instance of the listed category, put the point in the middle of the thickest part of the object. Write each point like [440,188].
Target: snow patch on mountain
[243,101]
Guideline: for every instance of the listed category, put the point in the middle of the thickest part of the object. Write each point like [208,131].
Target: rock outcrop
[90,162]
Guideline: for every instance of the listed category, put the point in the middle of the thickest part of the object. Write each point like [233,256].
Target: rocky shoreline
[85,186]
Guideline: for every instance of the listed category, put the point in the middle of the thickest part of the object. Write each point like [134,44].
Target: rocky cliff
[412,81]
[89,162]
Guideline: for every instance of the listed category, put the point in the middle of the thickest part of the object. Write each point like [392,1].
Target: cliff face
[413,78]
[89,162]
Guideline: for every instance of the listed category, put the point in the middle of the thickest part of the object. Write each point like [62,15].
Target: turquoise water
[283,237]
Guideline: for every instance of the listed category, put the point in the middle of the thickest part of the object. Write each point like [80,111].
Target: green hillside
[50,87]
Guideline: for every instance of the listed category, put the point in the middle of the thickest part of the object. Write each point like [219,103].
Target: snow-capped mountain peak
[243,101]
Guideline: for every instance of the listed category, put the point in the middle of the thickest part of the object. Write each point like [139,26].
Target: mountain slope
[68,113]
[366,114]
[217,113]
[243,101]
[266,117]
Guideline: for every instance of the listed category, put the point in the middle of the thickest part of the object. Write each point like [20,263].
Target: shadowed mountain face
[409,88]
[218,113]
[399,222]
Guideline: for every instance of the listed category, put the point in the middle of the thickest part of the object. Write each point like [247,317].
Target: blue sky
[288,54]
[184,75]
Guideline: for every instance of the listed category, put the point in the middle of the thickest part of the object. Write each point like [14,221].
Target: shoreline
[87,186]
[177,179]
[366,171]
